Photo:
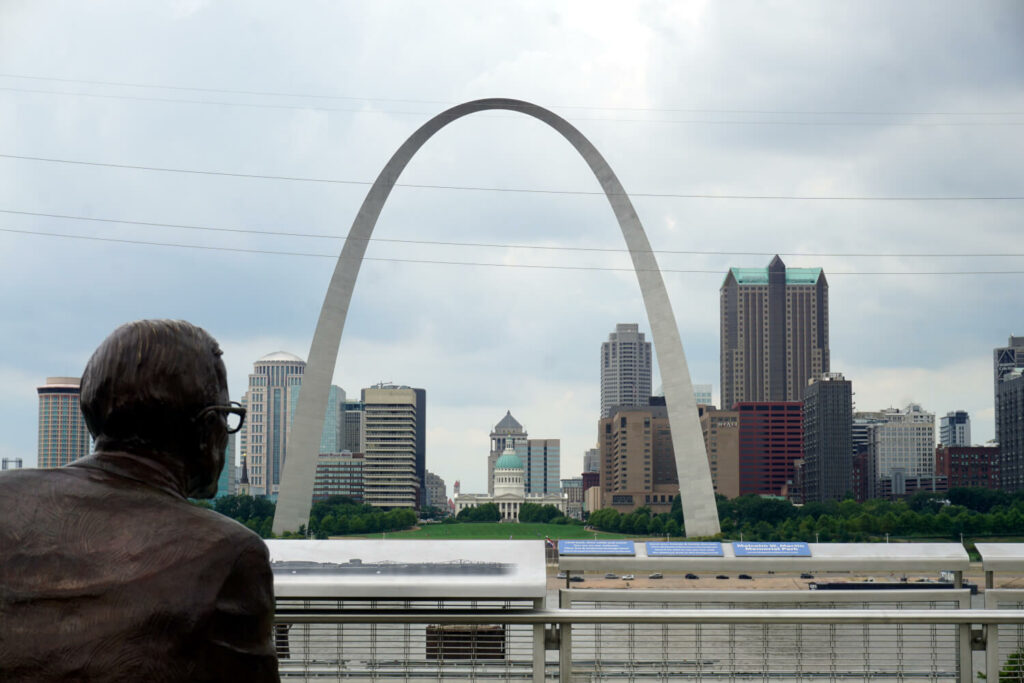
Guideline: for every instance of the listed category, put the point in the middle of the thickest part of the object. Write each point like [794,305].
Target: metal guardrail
[640,644]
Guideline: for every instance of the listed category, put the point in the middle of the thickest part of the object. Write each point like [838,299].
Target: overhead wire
[710,122]
[479,188]
[497,245]
[691,110]
[471,263]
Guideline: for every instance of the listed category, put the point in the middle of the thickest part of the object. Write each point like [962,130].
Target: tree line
[969,511]
[334,516]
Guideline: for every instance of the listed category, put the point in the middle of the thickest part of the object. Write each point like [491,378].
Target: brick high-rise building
[625,369]
[63,436]
[968,466]
[722,440]
[771,441]
[637,461]
[828,438]
[774,332]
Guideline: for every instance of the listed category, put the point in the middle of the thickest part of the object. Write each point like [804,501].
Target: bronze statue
[107,571]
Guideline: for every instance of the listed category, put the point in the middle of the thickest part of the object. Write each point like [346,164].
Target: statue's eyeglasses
[234,414]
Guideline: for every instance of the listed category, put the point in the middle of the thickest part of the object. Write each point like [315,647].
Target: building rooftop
[759,276]
[509,422]
[281,356]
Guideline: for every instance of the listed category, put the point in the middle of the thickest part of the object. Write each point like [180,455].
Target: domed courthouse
[509,489]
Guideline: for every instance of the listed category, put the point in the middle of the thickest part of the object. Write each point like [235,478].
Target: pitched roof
[508,422]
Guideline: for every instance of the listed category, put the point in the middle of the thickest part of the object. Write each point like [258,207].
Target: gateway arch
[296,487]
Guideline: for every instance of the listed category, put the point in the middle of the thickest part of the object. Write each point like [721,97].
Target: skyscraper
[352,427]
[394,422]
[1010,429]
[266,426]
[541,462]
[955,429]
[828,438]
[1005,359]
[770,443]
[625,369]
[638,466]
[333,435]
[592,460]
[903,442]
[722,441]
[507,429]
[702,394]
[774,332]
[63,436]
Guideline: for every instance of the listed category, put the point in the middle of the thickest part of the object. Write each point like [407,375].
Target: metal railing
[504,641]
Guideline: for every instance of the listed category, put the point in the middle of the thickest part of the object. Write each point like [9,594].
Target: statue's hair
[148,379]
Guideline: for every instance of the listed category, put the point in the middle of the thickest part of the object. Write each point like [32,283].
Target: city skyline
[530,332]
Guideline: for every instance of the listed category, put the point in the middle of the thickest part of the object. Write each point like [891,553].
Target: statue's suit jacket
[107,573]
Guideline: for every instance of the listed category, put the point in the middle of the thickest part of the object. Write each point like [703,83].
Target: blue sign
[684,549]
[596,548]
[771,549]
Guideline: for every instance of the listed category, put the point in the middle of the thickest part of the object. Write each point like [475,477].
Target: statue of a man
[107,571]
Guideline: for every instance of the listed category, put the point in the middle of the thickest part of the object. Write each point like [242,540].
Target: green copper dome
[508,461]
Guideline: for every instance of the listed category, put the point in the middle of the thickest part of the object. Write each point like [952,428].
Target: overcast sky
[832,99]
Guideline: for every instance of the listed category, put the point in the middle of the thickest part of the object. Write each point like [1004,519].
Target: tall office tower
[333,435]
[266,424]
[955,429]
[63,436]
[508,429]
[1010,429]
[10,464]
[437,492]
[541,463]
[722,440]
[394,424]
[1005,359]
[771,441]
[702,394]
[774,332]
[352,430]
[903,443]
[638,464]
[226,483]
[625,369]
[828,438]
[592,460]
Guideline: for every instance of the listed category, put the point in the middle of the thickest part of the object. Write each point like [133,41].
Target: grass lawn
[498,531]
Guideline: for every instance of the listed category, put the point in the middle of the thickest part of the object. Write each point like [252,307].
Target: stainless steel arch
[296,488]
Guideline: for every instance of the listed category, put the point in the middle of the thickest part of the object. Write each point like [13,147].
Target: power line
[496,245]
[468,263]
[476,188]
[690,110]
[710,122]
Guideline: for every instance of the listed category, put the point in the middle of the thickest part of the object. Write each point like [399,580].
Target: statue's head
[159,387]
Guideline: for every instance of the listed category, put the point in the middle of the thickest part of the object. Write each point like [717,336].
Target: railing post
[965,656]
[539,652]
[991,641]
[564,641]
